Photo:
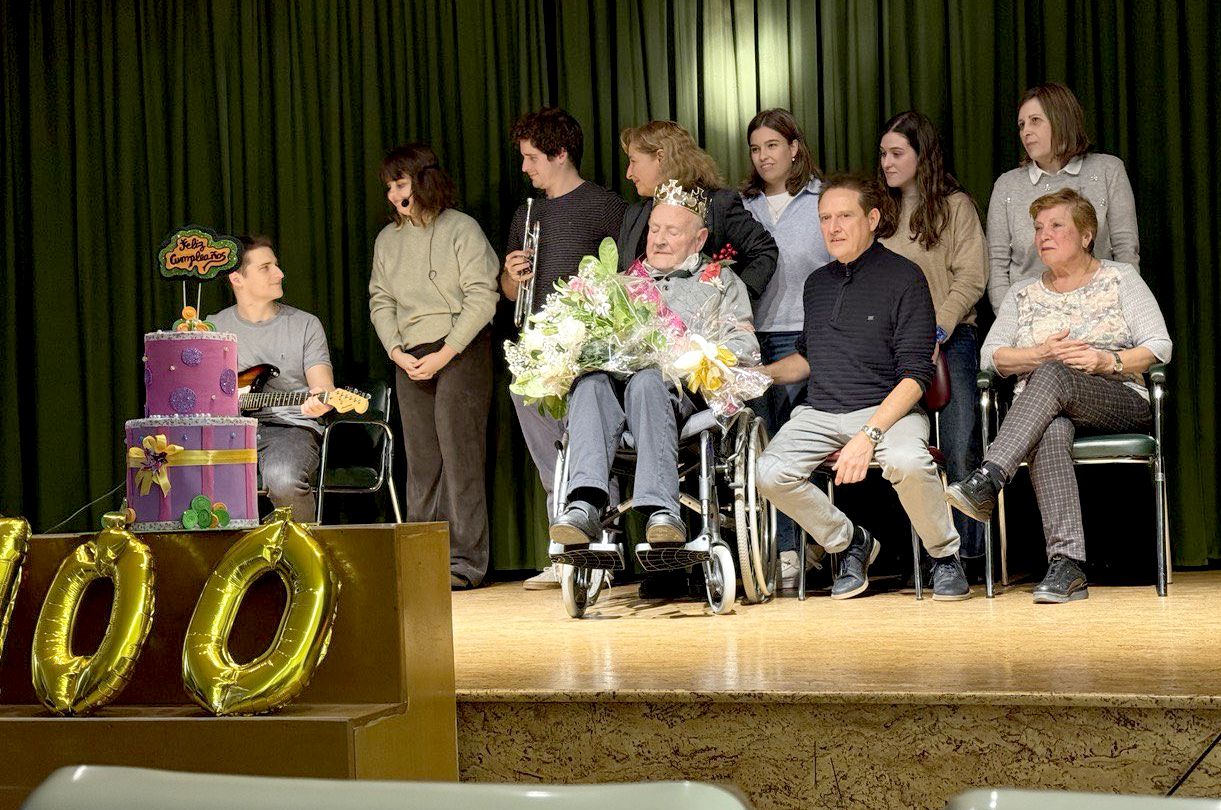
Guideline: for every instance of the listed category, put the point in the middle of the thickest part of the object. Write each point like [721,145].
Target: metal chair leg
[326,443]
[394,498]
[1000,516]
[917,575]
[801,563]
[1159,501]
[989,586]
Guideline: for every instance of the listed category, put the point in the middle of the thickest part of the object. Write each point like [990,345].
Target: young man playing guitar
[272,333]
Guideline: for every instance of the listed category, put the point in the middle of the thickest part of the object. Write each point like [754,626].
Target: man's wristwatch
[1118,367]
[872,433]
[942,337]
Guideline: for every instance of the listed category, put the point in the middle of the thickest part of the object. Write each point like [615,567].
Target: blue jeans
[775,406]
[959,439]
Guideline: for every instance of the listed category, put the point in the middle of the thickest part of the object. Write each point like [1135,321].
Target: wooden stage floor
[1121,647]
[881,701]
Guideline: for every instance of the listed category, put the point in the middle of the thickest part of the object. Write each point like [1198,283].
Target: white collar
[688,265]
[1073,167]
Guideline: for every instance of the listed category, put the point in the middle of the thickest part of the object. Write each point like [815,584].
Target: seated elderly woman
[600,406]
[1079,338]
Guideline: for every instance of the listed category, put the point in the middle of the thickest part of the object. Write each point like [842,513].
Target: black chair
[1116,448]
[361,479]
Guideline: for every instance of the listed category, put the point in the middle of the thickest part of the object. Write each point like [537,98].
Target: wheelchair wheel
[754,519]
[579,587]
[719,580]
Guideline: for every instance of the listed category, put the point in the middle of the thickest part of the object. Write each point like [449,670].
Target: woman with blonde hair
[662,150]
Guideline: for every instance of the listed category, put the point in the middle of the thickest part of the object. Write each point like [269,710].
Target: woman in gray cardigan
[1051,125]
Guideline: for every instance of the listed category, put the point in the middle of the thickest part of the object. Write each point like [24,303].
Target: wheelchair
[716,482]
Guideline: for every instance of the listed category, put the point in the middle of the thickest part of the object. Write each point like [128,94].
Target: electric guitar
[252,397]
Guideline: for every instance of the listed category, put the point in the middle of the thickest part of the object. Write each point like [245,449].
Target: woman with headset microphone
[432,294]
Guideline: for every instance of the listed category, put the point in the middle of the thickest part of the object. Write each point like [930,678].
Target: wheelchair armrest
[985,379]
[1157,373]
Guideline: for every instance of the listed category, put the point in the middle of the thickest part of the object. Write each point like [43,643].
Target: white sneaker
[789,565]
[545,579]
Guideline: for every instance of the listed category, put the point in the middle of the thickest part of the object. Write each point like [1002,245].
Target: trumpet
[525,294]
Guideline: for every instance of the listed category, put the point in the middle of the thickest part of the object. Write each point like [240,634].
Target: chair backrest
[937,395]
[103,788]
[379,392]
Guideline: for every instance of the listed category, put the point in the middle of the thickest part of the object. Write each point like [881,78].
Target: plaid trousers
[1040,427]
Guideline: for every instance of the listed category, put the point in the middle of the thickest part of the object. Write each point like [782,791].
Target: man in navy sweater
[867,350]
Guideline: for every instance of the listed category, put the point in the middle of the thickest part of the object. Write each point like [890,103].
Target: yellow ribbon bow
[706,365]
[151,460]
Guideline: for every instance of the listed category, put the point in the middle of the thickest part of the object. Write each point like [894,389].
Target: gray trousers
[805,441]
[1040,427]
[542,434]
[600,408]
[445,422]
[288,466]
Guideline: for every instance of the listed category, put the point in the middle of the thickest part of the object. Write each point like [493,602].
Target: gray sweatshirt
[1101,179]
[725,299]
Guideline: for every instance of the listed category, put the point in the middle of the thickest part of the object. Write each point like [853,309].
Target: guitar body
[255,378]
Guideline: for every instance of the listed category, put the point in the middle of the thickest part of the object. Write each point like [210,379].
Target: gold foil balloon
[14,543]
[280,673]
[80,684]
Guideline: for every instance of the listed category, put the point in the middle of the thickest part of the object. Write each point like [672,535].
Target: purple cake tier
[188,373]
[225,477]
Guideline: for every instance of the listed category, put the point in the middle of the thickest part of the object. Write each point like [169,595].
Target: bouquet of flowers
[597,320]
[600,320]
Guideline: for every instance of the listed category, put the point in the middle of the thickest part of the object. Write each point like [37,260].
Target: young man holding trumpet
[570,221]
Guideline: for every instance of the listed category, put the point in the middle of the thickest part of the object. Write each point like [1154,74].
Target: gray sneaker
[544,580]
[853,575]
[949,580]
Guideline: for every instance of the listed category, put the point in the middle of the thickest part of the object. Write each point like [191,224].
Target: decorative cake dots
[148,377]
[182,400]
[228,381]
[191,356]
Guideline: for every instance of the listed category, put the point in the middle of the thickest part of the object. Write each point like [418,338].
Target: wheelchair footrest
[671,558]
[608,556]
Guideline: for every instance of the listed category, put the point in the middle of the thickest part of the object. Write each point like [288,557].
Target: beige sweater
[956,268]
[432,282]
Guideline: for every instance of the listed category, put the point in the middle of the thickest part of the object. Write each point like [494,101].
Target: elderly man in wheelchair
[634,425]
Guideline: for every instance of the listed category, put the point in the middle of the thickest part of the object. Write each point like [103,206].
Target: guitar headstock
[348,399]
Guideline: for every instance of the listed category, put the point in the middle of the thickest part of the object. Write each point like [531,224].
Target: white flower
[571,332]
[533,340]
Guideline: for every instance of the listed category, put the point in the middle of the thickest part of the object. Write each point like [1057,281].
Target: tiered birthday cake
[192,461]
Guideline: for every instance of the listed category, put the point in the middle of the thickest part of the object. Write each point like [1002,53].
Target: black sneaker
[853,576]
[975,497]
[949,580]
[1065,582]
[579,525]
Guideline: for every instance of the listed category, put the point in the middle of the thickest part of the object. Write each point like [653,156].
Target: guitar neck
[274,399]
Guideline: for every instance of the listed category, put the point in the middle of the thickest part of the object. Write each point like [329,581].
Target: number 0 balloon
[279,674]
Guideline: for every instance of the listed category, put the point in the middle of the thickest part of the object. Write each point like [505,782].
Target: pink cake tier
[208,465]
[188,373]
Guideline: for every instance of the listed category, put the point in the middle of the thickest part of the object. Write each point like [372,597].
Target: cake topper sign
[198,253]
[202,254]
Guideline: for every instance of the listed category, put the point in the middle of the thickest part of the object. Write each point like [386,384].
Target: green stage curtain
[123,119]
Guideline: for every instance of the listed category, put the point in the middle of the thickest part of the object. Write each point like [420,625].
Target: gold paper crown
[694,200]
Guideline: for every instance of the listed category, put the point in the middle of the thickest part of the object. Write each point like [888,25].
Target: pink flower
[711,273]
